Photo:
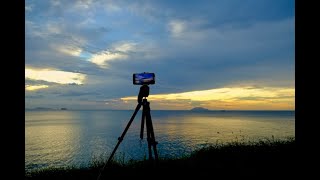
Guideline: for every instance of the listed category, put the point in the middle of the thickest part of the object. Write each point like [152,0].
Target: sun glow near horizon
[240,98]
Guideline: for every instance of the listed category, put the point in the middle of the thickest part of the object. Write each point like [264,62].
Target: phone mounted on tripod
[144,78]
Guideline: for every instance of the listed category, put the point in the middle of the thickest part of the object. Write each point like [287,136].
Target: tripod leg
[142,122]
[124,132]
[149,139]
[152,137]
[121,138]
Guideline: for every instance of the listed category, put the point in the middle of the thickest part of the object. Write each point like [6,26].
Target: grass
[263,157]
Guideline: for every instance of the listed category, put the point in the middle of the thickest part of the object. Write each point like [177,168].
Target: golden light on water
[231,98]
[225,129]
[58,135]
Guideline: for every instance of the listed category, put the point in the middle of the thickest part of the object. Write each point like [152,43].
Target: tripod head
[144,92]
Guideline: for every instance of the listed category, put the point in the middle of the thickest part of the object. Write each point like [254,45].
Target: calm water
[65,138]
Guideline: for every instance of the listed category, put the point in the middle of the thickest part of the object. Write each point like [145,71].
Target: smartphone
[143,78]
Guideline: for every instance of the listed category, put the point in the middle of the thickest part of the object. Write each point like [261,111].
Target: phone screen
[143,78]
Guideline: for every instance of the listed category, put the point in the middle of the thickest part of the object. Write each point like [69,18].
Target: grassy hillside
[237,159]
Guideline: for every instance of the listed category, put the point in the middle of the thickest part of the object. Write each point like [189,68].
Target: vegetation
[264,157]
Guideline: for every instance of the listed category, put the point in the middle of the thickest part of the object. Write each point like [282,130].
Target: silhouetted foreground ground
[269,158]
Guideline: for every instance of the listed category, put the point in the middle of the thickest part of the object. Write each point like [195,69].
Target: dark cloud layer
[190,45]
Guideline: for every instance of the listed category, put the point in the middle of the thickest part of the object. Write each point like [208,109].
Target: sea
[80,138]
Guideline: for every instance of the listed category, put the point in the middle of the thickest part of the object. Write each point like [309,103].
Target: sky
[216,54]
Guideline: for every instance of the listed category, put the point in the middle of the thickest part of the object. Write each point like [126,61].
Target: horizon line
[68,109]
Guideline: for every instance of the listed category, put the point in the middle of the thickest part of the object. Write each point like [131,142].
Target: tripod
[146,116]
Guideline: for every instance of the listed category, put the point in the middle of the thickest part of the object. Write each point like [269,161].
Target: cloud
[56,76]
[28,8]
[119,51]
[177,28]
[194,46]
[35,87]
[84,4]
[124,47]
[101,58]
[73,51]
[191,29]
[55,2]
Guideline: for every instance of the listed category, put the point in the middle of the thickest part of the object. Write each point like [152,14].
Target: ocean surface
[78,138]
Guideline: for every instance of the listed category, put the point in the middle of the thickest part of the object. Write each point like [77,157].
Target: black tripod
[142,101]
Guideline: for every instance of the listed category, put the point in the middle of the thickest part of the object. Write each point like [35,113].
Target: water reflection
[64,138]
[51,145]
[194,132]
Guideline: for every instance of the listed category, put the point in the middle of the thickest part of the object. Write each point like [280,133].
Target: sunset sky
[237,54]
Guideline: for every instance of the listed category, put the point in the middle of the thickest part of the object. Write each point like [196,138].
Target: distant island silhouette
[43,108]
[47,109]
[199,109]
